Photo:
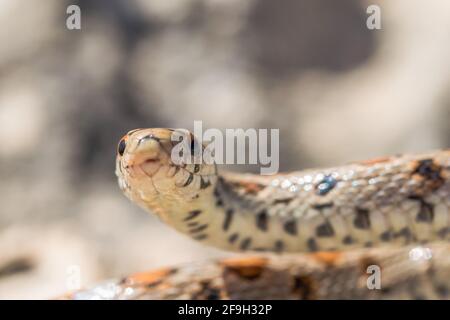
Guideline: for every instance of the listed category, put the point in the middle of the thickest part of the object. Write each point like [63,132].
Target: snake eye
[121,147]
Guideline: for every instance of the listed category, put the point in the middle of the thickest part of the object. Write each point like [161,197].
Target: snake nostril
[121,147]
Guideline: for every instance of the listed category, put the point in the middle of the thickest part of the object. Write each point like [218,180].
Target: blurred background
[337,91]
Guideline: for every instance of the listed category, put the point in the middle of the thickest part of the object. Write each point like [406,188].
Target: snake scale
[396,200]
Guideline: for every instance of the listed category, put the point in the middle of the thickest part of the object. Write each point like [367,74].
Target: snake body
[395,200]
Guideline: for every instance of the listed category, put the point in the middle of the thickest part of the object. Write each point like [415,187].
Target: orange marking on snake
[149,278]
[328,258]
[248,267]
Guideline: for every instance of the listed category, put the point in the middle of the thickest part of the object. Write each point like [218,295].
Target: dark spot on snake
[325,230]
[204,184]
[326,185]
[228,218]
[199,228]
[189,180]
[192,224]
[368,244]
[262,220]
[200,237]
[312,245]
[362,220]
[426,211]
[245,244]
[347,240]
[196,168]
[121,147]
[290,227]
[323,206]
[233,238]
[219,201]
[283,201]
[196,196]
[192,215]
[279,246]
[404,232]
[429,170]
[386,236]
[442,233]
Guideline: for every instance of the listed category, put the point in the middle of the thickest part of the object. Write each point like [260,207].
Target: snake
[388,201]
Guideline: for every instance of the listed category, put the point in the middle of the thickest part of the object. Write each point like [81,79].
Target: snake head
[151,169]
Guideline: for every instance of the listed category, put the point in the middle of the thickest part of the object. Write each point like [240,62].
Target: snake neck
[223,216]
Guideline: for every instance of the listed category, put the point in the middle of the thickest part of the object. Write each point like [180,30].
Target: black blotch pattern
[426,211]
[219,201]
[201,237]
[429,170]
[228,218]
[262,219]
[290,227]
[348,240]
[323,206]
[192,224]
[312,245]
[245,244]
[204,184]
[196,168]
[443,232]
[279,246]
[189,180]
[404,232]
[386,236]
[282,201]
[362,219]
[192,214]
[233,237]
[199,228]
[325,230]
